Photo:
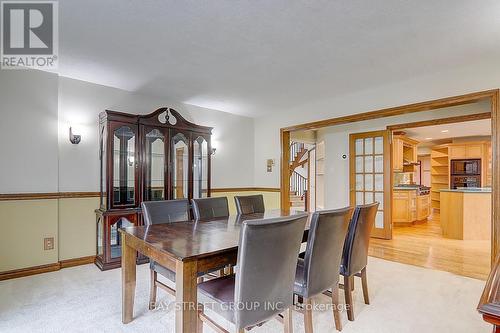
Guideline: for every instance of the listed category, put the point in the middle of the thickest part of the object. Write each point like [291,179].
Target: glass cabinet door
[115,240]
[124,162]
[180,162]
[200,167]
[100,236]
[154,176]
[102,157]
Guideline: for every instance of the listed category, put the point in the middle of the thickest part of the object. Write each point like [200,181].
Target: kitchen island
[466,213]
[410,205]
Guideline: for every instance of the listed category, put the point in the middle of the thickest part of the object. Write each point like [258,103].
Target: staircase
[297,153]
[297,202]
[298,183]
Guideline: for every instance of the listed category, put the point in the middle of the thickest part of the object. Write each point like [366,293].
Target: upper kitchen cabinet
[404,153]
[474,150]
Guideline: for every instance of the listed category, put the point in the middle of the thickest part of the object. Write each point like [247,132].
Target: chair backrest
[266,265]
[210,208]
[355,256]
[325,243]
[165,211]
[249,204]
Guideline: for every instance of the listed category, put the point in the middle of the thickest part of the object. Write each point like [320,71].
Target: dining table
[187,248]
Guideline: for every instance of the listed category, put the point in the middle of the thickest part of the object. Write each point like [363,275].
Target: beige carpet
[83,299]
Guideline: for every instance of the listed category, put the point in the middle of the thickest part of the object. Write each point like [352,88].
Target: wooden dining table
[188,248]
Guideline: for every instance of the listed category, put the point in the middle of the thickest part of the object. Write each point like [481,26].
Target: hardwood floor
[422,245]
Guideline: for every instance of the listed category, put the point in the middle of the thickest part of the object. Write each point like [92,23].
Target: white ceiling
[456,130]
[261,56]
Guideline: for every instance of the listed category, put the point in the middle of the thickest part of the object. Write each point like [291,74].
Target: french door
[369,176]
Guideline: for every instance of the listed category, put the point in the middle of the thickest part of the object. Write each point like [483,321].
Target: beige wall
[77,228]
[25,223]
[271,199]
[303,136]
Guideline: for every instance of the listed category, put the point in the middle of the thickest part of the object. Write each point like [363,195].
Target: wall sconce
[270,164]
[214,150]
[74,138]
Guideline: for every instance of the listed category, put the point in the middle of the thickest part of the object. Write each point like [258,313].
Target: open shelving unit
[440,173]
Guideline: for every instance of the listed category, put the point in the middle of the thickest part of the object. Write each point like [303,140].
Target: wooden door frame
[432,122]
[492,95]
[311,205]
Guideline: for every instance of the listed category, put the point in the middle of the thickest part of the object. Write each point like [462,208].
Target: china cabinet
[159,156]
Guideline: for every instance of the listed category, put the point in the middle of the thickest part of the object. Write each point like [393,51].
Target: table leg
[128,281]
[186,314]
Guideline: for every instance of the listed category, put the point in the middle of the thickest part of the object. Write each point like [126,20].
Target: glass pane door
[200,168]
[180,160]
[154,164]
[369,176]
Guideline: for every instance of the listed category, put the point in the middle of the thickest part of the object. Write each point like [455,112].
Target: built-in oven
[465,181]
[466,167]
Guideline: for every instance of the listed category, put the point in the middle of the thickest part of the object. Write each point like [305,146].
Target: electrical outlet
[48,243]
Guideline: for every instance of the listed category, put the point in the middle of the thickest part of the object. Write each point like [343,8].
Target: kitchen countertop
[406,188]
[469,190]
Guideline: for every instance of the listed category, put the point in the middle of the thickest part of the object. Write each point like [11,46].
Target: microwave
[466,167]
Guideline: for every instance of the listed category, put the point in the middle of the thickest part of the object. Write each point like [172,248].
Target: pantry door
[369,176]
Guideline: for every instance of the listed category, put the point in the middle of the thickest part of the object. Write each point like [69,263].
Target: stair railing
[298,184]
[295,148]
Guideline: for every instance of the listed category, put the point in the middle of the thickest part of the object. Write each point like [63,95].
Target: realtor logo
[29,34]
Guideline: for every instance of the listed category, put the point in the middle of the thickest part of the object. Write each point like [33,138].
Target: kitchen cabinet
[423,207]
[457,152]
[474,150]
[488,167]
[397,154]
[404,153]
[404,206]
[407,207]
[466,151]
[466,214]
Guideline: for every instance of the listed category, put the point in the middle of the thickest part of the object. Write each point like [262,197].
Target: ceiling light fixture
[428,138]
[445,131]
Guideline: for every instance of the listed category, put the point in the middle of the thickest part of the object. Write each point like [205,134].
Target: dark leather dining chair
[262,287]
[249,204]
[210,208]
[157,212]
[166,211]
[355,254]
[319,270]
